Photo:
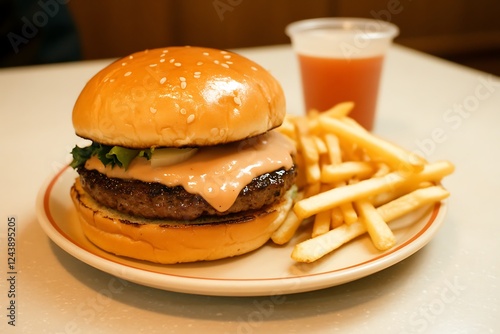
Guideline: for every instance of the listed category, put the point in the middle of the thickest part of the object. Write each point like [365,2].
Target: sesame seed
[153,65]
[229,62]
[165,51]
[128,73]
[105,80]
[237,100]
[183,111]
[214,131]
[236,111]
[162,55]
[162,80]
[112,80]
[162,60]
[152,110]
[216,62]
[227,56]
[131,57]
[124,63]
[224,65]
[205,53]
[199,63]
[178,64]
[171,60]
[254,68]
[223,52]
[183,82]
[190,118]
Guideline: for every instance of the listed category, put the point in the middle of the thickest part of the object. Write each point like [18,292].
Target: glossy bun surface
[178,96]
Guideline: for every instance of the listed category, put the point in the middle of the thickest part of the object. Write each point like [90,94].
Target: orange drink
[328,81]
[341,60]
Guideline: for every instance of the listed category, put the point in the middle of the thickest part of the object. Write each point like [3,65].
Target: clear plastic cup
[341,60]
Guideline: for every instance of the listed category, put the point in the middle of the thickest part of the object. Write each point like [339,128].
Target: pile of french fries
[352,182]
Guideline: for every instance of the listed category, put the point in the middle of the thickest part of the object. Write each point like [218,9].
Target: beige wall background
[462,31]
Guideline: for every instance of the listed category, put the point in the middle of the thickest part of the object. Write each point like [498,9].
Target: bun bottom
[170,242]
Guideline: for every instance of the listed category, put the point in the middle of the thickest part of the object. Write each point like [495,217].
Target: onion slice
[171,156]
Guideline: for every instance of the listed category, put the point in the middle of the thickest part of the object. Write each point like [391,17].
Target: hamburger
[183,164]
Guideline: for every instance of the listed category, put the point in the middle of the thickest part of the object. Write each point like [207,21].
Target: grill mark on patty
[157,201]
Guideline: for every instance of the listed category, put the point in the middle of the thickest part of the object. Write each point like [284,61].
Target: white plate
[266,271]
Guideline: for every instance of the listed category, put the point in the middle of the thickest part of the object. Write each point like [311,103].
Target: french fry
[394,156]
[380,233]
[313,249]
[287,230]
[309,149]
[350,215]
[329,199]
[353,152]
[300,163]
[309,153]
[312,189]
[312,123]
[433,172]
[321,223]
[333,148]
[406,188]
[411,201]
[287,127]
[337,217]
[320,145]
[351,122]
[381,169]
[313,113]
[339,110]
[345,171]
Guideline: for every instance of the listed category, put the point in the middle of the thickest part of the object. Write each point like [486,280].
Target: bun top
[178,96]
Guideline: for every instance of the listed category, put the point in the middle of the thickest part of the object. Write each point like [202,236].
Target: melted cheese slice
[217,173]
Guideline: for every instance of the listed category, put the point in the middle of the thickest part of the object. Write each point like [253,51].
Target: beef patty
[157,201]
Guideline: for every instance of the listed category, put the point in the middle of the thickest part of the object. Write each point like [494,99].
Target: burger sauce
[217,173]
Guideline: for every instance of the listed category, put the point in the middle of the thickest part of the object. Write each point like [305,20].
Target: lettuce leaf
[108,155]
[82,154]
[121,156]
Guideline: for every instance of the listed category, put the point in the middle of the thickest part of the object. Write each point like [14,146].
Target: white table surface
[449,286]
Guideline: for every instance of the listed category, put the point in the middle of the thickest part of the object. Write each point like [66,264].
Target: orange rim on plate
[327,278]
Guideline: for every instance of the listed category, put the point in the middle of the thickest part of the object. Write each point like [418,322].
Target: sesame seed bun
[178,96]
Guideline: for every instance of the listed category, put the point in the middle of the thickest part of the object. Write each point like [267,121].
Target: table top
[443,110]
